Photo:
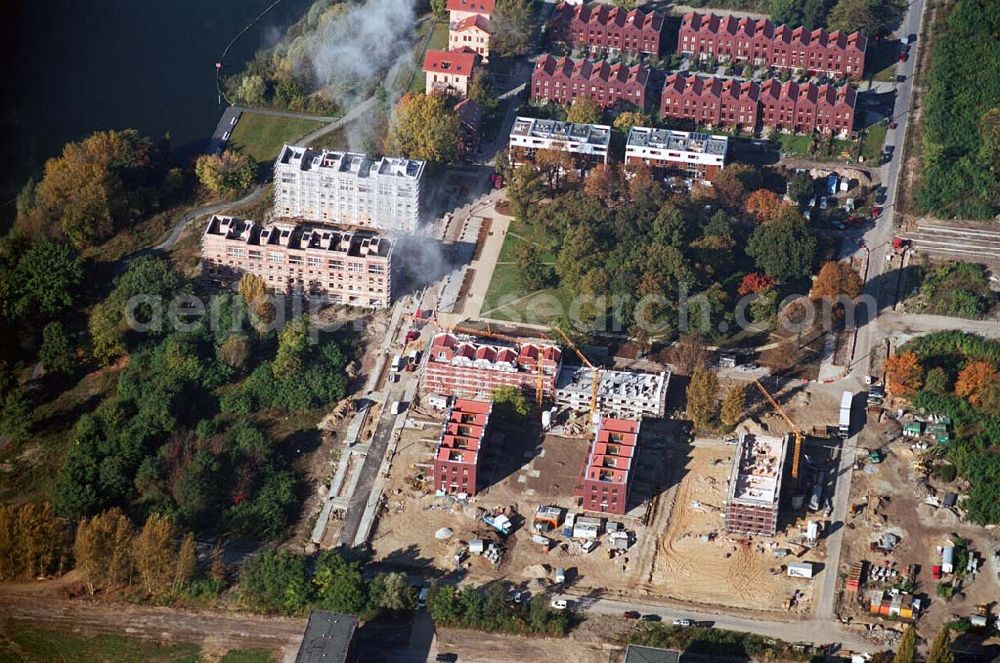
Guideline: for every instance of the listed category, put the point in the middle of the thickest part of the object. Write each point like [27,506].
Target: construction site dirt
[897,502]
[683,553]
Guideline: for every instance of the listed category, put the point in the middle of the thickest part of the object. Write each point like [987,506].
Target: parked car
[632,614]
[822,202]
[560,604]
[651,618]
[903,56]
[225,136]
[682,622]
[900,78]
[236,118]
[812,202]
[876,212]
[446,658]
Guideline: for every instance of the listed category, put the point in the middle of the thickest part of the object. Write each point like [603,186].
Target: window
[275,257]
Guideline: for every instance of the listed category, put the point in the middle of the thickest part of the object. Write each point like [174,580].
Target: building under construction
[621,394]
[456,457]
[606,477]
[755,485]
[472,367]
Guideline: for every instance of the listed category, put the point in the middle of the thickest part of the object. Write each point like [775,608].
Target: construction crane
[595,382]
[796,431]
[488,332]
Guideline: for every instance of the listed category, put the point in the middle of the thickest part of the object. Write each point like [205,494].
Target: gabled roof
[461,61]
[477,21]
[588,70]
[477,6]
[715,24]
[603,15]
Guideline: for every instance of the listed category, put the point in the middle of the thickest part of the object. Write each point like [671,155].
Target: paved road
[815,630]
[878,240]
[192,214]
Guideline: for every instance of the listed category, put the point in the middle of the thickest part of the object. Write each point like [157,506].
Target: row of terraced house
[762,43]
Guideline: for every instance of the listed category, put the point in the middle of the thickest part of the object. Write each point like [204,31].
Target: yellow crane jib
[796,431]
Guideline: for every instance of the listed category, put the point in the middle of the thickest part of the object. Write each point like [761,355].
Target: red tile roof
[478,21]
[604,15]
[477,6]
[461,61]
[567,68]
[749,27]
[614,447]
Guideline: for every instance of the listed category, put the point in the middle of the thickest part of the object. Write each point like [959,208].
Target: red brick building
[748,105]
[602,26]
[563,79]
[468,367]
[609,466]
[761,43]
[456,457]
[711,101]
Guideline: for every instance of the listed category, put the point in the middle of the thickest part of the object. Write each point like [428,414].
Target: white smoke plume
[356,49]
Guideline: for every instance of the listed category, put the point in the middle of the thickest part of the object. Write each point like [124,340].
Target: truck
[500,523]
[816,498]
[397,362]
[844,428]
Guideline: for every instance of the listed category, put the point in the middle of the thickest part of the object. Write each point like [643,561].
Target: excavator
[796,431]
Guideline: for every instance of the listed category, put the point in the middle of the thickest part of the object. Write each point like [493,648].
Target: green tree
[870,17]
[524,189]
[275,581]
[513,22]
[187,563]
[46,280]
[702,401]
[510,402]
[580,249]
[228,173]
[425,128]
[937,381]
[340,586]
[734,404]
[394,591]
[235,351]
[940,650]
[532,273]
[584,110]
[439,9]
[907,650]
[292,343]
[57,352]
[800,188]
[15,413]
[251,90]
[783,249]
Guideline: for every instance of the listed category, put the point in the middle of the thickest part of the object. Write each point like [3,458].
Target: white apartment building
[697,155]
[589,143]
[348,188]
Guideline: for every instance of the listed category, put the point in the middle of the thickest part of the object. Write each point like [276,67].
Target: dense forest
[961,138]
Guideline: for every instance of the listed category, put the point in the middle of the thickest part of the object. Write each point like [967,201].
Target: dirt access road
[42,605]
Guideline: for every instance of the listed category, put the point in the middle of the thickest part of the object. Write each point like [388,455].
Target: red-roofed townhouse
[473,32]
[762,43]
[563,79]
[458,450]
[609,469]
[449,71]
[835,109]
[462,9]
[613,28]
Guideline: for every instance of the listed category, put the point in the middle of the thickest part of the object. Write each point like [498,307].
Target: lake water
[71,67]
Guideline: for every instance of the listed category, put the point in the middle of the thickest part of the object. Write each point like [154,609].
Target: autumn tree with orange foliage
[605,182]
[763,205]
[755,282]
[835,279]
[975,380]
[904,373]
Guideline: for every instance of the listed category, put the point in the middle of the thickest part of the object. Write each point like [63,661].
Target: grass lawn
[438,41]
[537,307]
[334,140]
[886,75]
[263,135]
[24,643]
[28,644]
[872,142]
[796,144]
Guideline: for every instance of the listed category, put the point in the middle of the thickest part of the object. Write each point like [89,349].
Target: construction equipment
[796,431]
[595,372]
